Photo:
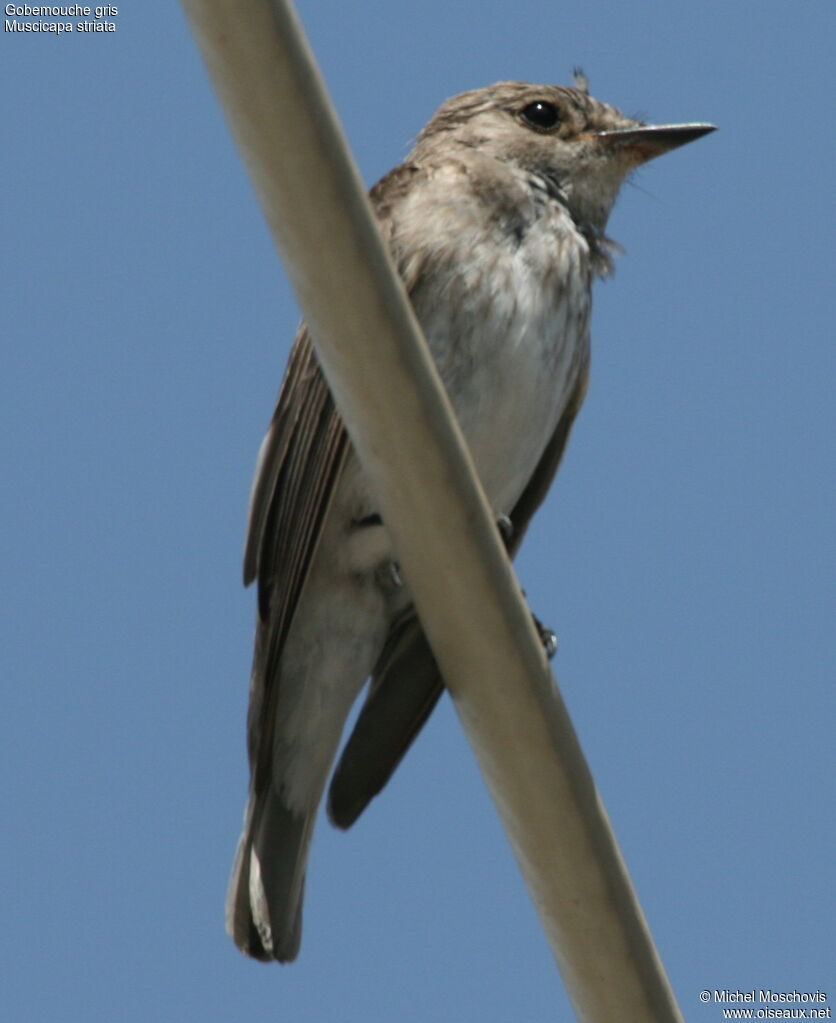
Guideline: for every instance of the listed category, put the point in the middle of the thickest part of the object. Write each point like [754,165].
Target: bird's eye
[541,115]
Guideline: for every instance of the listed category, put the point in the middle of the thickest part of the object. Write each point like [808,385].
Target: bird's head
[582,148]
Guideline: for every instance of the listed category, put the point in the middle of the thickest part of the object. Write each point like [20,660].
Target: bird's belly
[510,365]
[511,411]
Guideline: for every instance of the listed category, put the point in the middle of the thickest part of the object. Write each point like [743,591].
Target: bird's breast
[507,321]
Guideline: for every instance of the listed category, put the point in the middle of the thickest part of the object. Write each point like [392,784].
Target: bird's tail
[264,900]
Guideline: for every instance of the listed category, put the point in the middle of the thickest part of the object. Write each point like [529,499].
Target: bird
[495,222]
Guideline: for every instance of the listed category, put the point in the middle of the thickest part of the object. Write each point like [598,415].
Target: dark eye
[541,115]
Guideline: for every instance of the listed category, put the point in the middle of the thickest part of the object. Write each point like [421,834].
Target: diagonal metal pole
[385,385]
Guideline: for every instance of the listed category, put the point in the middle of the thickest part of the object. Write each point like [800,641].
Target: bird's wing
[298,467]
[297,471]
[406,683]
[405,687]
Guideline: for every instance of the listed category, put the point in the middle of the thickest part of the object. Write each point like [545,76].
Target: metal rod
[385,385]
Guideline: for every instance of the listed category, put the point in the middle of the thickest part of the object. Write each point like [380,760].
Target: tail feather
[264,901]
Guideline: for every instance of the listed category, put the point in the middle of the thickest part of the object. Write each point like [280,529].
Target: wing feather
[298,468]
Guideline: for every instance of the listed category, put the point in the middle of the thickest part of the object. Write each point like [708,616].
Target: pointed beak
[642,144]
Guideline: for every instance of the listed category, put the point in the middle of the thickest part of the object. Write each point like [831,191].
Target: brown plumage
[496,224]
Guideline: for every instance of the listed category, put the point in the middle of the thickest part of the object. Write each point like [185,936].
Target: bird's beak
[643,144]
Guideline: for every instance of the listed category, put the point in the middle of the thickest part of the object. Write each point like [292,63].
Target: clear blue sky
[685,556]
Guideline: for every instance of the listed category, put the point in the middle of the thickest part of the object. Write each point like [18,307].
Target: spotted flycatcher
[495,222]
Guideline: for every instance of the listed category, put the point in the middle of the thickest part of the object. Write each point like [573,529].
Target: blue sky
[685,556]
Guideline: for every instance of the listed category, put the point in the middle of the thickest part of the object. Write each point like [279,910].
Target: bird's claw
[548,637]
[506,529]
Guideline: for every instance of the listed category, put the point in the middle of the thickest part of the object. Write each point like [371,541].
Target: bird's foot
[548,637]
[506,530]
